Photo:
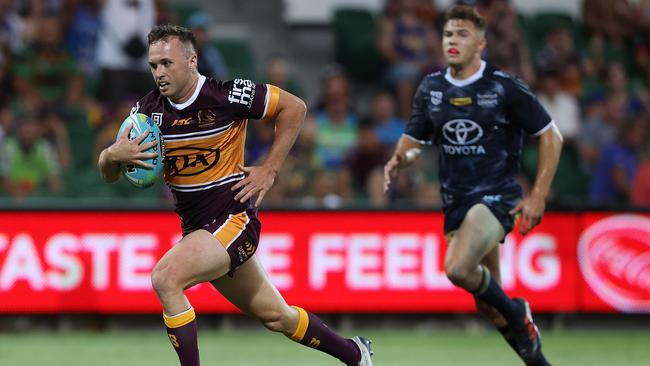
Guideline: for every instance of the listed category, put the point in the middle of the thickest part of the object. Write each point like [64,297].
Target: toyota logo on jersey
[462,131]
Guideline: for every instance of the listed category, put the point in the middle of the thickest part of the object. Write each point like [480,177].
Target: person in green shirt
[28,164]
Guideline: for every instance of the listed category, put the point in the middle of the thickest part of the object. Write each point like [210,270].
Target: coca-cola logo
[614,257]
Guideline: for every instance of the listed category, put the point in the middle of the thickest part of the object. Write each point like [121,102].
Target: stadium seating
[238,57]
[355,37]
[183,12]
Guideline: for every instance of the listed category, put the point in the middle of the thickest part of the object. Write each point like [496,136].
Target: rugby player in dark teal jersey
[478,116]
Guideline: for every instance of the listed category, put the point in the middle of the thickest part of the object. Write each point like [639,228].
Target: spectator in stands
[508,50]
[387,125]
[11,26]
[277,71]
[411,48]
[641,184]
[6,77]
[559,54]
[337,125]
[122,49]
[28,164]
[48,82]
[614,20]
[298,171]
[210,61]
[617,83]
[331,76]
[82,32]
[46,71]
[259,141]
[592,68]
[614,174]
[599,130]
[560,105]
[364,162]
[164,13]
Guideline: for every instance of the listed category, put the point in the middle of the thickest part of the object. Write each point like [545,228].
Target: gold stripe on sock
[181,319]
[303,323]
[485,280]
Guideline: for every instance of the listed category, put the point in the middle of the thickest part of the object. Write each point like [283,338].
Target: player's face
[462,42]
[172,67]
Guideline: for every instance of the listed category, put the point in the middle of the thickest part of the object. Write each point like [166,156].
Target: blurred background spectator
[210,60]
[122,49]
[78,66]
[409,45]
[29,164]
[618,163]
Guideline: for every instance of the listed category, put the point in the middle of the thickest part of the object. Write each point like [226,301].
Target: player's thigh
[251,290]
[198,257]
[478,234]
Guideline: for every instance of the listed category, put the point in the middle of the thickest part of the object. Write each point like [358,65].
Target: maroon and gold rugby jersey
[204,142]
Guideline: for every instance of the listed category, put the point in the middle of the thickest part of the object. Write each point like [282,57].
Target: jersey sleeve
[246,99]
[142,106]
[524,109]
[419,127]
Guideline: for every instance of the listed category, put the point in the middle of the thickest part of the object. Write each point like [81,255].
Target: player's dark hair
[164,31]
[464,12]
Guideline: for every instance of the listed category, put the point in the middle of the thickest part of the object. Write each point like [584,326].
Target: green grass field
[260,348]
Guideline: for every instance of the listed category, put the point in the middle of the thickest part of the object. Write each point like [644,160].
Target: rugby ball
[137,175]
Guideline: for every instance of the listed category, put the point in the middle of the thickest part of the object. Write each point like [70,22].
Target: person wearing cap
[210,62]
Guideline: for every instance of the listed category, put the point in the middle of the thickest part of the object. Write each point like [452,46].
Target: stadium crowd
[71,70]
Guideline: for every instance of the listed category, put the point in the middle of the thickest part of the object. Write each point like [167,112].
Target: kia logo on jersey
[462,131]
[614,257]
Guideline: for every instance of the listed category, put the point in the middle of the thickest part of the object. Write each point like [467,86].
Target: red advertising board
[325,261]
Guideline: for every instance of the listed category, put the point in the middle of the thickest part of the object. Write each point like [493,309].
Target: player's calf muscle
[281,321]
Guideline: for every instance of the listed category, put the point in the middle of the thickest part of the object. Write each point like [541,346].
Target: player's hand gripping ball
[139,176]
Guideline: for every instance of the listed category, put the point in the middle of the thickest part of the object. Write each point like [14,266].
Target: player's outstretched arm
[532,207]
[406,152]
[259,179]
[124,151]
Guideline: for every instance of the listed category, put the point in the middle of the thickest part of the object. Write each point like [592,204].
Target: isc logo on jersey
[242,92]
[461,134]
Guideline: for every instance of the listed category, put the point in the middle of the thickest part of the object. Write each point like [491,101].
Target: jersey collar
[199,85]
[463,82]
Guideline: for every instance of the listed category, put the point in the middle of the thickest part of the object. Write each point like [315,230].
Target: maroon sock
[182,332]
[312,332]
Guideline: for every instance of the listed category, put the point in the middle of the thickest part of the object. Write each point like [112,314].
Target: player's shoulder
[149,103]
[507,79]
[225,89]
[433,80]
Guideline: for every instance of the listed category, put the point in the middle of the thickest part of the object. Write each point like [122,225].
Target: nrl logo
[436,97]
[157,118]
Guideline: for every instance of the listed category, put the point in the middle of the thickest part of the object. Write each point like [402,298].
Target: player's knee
[456,273]
[162,280]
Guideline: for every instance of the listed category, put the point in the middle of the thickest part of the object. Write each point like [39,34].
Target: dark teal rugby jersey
[478,126]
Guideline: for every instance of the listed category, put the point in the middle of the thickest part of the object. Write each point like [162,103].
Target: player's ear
[481,42]
[193,60]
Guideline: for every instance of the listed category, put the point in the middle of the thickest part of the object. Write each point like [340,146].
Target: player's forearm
[550,147]
[108,167]
[287,126]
